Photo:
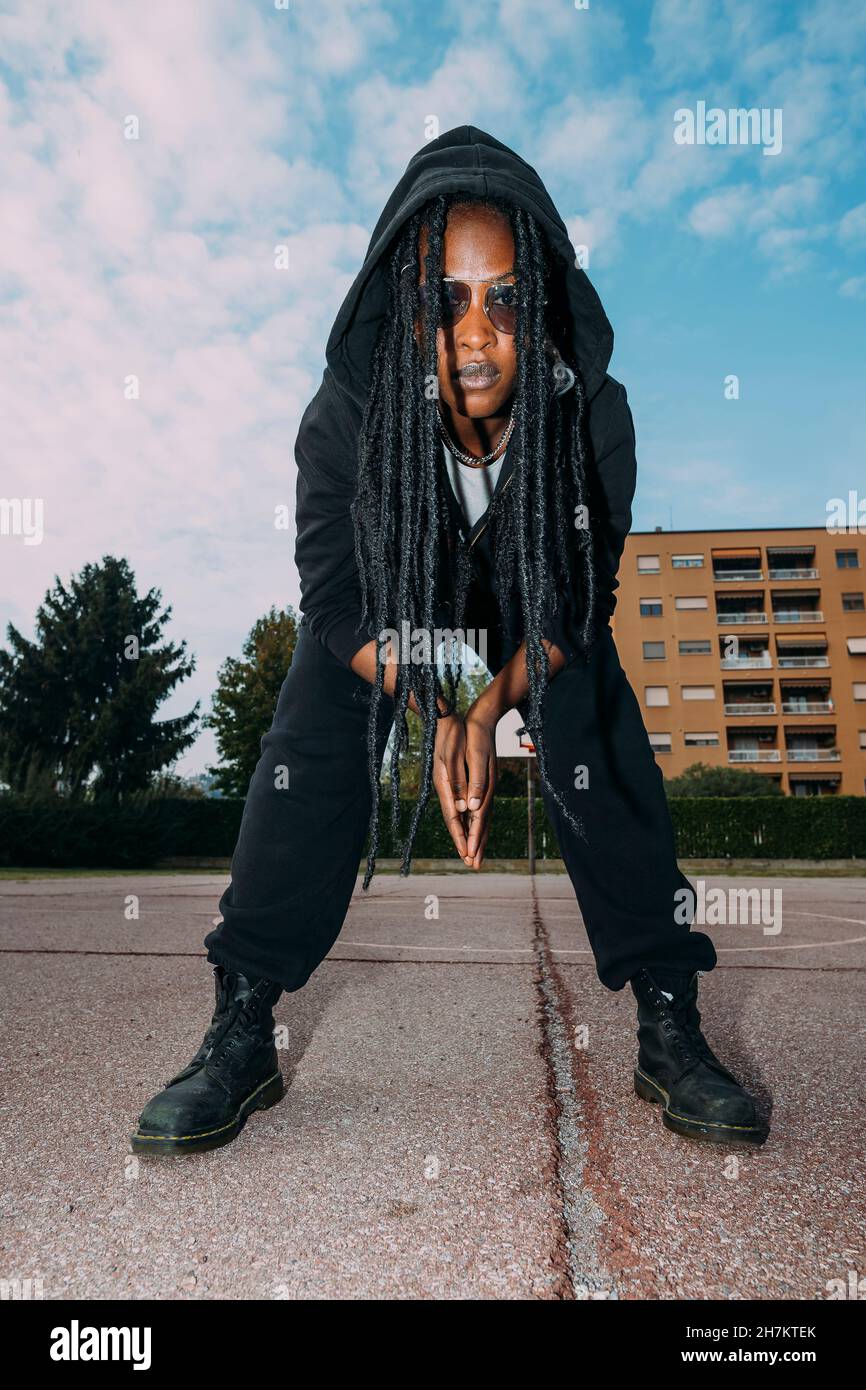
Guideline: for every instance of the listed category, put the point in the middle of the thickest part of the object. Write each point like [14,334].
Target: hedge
[61,834]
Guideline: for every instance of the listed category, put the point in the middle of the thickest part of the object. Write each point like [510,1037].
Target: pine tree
[246,697]
[78,703]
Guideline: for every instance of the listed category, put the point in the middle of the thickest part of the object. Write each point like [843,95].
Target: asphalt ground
[460,1120]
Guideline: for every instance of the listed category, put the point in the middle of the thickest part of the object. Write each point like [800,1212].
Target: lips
[478,376]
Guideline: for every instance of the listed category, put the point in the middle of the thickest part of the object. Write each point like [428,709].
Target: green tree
[77,704]
[246,697]
[702,780]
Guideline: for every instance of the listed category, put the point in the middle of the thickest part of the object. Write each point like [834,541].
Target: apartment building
[748,649]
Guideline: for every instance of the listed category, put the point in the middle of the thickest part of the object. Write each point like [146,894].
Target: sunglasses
[500,301]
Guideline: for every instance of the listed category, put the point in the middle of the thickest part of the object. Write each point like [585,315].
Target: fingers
[478,763]
[452,818]
[482,846]
[458,788]
[465,796]
[443,782]
[479,821]
[451,753]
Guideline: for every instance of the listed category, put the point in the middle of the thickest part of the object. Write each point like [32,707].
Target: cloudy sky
[260,125]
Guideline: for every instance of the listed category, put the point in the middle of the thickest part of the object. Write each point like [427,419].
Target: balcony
[800,662]
[791,562]
[754,755]
[808,707]
[741,707]
[803,615]
[760,662]
[738,618]
[738,576]
[814,755]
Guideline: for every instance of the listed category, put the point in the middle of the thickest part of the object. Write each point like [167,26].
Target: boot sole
[707,1131]
[262,1098]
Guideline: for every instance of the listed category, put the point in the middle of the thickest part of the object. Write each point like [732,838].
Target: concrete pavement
[459,1120]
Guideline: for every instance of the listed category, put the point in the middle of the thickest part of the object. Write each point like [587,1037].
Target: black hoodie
[463,159]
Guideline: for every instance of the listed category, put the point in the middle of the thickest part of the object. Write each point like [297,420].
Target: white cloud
[766,213]
[155,258]
[855,288]
[853,224]
[835,28]
[686,36]
[722,213]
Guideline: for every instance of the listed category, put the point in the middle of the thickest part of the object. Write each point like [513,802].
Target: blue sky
[153,258]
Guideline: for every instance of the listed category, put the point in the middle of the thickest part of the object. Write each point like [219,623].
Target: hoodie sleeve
[326,455]
[612,486]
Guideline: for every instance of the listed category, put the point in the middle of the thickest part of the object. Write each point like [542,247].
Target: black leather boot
[234,1072]
[677,1069]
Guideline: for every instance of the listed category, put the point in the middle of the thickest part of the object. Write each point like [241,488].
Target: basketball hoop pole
[530,813]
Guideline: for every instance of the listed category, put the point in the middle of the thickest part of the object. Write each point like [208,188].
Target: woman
[467,463]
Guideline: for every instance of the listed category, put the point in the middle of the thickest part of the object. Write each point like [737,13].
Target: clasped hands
[464,775]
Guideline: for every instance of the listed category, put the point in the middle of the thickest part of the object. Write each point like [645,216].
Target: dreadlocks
[400,512]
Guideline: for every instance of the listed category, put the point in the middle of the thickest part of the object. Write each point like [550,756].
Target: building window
[852,603]
[847,560]
[816,786]
[863,738]
[656,695]
[701,740]
[687,562]
[660,743]
[653,651]
[699,692]
[692,602]
[648,564]
[650,607]
[698,646]
[860,690]
[856,646]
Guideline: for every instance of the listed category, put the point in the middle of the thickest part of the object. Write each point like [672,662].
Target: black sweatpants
[304,824]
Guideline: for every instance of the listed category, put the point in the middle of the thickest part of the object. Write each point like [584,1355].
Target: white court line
[725,950]
[857,921]
[575,951]
[805,945]
[586,951]
[402,946]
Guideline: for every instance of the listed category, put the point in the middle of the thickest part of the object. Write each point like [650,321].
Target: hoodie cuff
[346,638]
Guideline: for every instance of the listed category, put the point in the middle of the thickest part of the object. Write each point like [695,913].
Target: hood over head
[468,160]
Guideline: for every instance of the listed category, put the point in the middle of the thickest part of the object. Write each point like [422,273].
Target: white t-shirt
[473,487]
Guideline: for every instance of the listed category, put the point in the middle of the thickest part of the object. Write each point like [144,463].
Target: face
[477,363]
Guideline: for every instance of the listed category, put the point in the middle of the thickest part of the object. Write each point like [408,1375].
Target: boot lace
[230,1020]
[676,1028]
[687,1034]
[229,1035]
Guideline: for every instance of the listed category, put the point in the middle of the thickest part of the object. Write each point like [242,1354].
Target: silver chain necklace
[469,459]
